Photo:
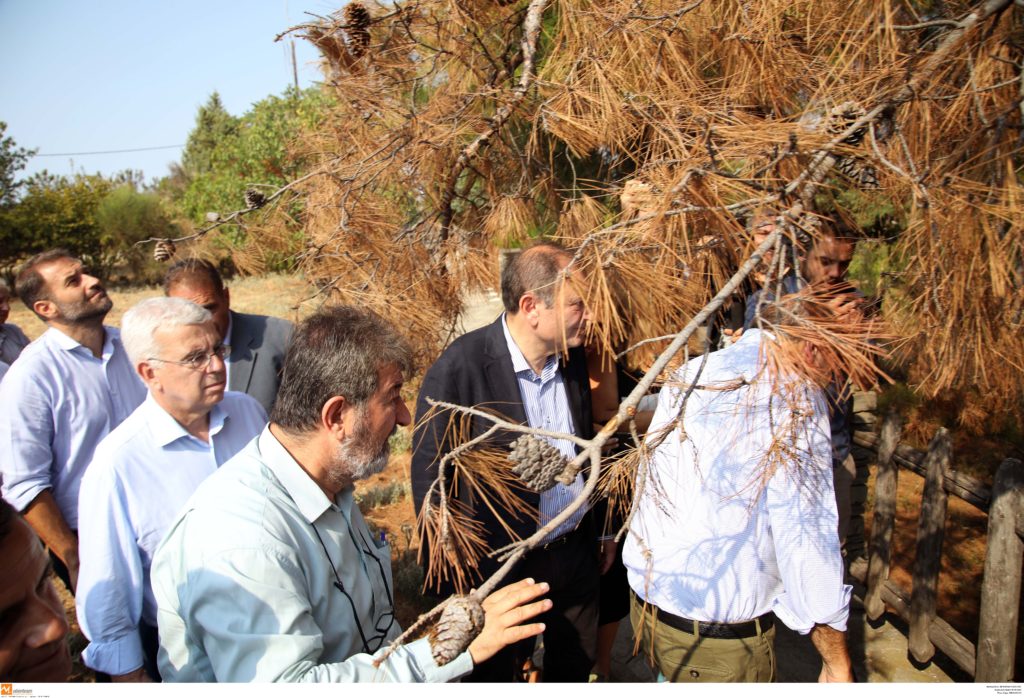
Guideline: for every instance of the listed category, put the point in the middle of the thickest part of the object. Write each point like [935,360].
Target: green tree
[12,160]
[214,125]
[257,151]
[58,211]
[124,217]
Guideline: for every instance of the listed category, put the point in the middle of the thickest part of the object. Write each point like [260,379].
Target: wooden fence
[992,660]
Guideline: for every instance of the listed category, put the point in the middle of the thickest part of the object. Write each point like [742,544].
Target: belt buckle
[556,543]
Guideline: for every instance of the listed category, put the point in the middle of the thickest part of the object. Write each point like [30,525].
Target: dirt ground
[963,557]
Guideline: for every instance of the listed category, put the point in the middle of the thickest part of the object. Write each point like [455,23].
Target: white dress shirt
[547,407]
[247,583]
[57,402]
[729,528]
[141,475]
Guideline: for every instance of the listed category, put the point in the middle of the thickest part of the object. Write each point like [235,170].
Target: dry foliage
[642,132]
[466,127]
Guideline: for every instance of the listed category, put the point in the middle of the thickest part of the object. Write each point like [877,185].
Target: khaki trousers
[685,658]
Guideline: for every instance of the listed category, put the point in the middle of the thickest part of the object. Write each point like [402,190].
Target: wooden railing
[992,660]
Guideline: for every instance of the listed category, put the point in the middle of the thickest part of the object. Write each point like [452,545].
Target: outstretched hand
[504,611]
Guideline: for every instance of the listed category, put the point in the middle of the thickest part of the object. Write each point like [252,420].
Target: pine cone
[842,118]
[539,464]
[861,172]
[460,623]
[357,26]
[164,250]
[254,198]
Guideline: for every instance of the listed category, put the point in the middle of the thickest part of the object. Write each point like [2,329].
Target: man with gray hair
[270,572]
[145,470]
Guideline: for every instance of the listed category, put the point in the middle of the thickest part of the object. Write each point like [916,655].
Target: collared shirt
[56,403]
[737,515]
[141,475]
[12,342]
[547,407]
[263,578]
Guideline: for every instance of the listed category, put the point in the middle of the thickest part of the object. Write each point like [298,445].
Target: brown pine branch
[531,30]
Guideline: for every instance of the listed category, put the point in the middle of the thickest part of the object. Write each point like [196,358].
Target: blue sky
[118,74]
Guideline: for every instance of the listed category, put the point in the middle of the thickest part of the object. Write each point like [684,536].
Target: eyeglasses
[382,623]
[198,360]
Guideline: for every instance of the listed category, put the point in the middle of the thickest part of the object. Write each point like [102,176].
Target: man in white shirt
[65,392]
[144,471]
[270,572]
[736,521]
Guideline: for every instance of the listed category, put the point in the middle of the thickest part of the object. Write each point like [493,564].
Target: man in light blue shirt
[144,471]
[65,392]
[270,572]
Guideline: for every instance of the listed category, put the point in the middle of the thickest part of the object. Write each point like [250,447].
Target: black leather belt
[730,631]
[561,540]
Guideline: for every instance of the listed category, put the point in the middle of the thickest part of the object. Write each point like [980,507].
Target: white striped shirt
[547,407]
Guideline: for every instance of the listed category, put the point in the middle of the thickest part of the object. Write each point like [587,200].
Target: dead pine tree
[642,133]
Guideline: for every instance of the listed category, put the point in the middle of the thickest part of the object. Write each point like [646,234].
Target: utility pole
[295,68]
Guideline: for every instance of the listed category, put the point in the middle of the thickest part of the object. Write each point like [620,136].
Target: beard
[357,458]
[84,310]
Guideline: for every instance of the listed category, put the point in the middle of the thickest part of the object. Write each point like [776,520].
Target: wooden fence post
[931,529]
[886,481]
[1000,587]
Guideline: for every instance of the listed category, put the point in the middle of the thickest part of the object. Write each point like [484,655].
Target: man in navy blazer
[257,342]
[529,365]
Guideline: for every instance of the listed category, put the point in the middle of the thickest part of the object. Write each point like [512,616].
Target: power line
[107,152]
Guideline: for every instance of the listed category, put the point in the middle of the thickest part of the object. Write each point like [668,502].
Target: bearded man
[270,572]
[66,391]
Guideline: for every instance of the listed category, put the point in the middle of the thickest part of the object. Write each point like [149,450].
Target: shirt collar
[166,429]
[111,336]
[307,495]
[519,362]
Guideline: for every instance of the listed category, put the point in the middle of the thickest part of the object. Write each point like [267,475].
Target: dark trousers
[570,636]
[150,644]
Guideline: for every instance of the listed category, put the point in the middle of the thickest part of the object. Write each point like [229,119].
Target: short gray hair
[337,351]
[142,321]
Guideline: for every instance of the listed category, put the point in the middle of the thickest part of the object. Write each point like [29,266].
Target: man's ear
[45,309]
[528,304]
[146,371]
[227,297]
[332,415]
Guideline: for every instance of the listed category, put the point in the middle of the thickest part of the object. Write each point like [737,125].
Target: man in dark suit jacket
[529,366]
[257,342]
